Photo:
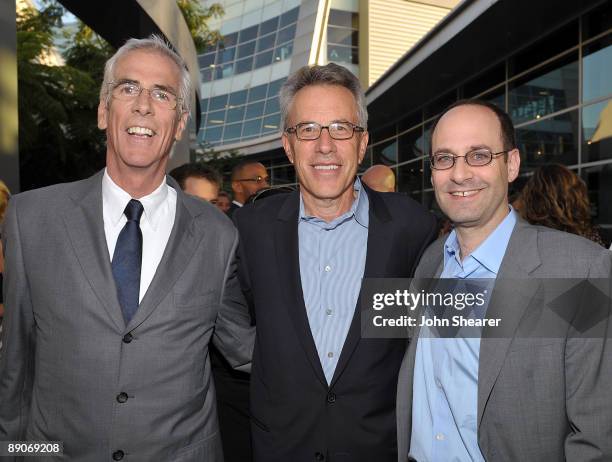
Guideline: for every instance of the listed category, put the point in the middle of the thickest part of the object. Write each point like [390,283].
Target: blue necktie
[127,260]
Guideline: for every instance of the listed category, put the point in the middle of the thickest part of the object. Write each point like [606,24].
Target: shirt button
[438,383]
[330,354]
[328,312]
[327,269]
[122,397]
[440,437]
[127,338]
[118,455]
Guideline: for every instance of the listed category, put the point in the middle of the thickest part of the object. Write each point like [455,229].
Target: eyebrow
[156,86]
[473,147]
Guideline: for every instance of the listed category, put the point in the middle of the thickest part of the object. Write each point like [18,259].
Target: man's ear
[363,145]
[287,147]
[102,115]
[513,164]
[182,123]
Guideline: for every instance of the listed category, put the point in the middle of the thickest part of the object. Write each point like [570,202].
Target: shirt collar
[359,210]
[489,253]
[117,199]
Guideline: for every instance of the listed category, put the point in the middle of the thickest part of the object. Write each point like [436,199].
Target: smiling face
[473,197]
[325,167]
[139,132]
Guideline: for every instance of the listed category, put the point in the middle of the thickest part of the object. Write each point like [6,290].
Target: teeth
[140,131]
[464,193]
[326,167]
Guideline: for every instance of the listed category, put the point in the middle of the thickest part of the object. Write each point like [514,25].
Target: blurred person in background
[224,201]
[198,180]
[556,197]
[380,178]
[248,177]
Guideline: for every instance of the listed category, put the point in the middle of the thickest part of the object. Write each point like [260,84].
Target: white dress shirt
[156,223]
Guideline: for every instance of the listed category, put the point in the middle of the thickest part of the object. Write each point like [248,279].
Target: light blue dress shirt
[445,382]
[332,262]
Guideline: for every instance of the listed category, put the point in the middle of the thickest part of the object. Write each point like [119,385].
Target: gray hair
[156,44]
[330,74]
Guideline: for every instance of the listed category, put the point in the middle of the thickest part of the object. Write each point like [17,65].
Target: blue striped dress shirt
[332,262]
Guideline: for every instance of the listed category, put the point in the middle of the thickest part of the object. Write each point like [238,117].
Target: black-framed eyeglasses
[475,158]
[309,131]
[258,179]
[129,91]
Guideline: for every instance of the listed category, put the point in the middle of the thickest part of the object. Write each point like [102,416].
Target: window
[546,90]
[596,134]
[597,69]
[548,141]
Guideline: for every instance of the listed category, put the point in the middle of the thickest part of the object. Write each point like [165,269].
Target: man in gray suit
[115,286]
[514,393]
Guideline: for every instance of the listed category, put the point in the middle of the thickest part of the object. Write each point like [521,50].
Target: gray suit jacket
[68,355]
[540,397]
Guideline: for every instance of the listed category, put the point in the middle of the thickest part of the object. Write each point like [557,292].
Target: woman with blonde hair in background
[556,197]
[4,197]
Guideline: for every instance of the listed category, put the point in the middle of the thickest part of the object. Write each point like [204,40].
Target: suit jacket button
[331,398]
[122,398]
[319,457]
[127,338]
[118,455]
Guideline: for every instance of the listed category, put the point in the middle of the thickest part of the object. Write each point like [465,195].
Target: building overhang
[474,36]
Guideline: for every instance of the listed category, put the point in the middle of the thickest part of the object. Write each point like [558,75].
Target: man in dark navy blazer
[320,392]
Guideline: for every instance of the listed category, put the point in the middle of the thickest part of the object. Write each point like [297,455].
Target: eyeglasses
[129,91]
[475,158]
[257,179]
[308,131]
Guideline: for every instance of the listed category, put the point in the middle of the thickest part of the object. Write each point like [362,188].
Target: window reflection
[385,153]
[549,140]
[545,91]
[410,145]
[597,131]
[410,177]
[597,70]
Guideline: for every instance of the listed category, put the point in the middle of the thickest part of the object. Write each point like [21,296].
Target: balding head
[380,178]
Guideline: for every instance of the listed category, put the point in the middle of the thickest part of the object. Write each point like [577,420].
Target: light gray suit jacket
[68,355]
[540,397]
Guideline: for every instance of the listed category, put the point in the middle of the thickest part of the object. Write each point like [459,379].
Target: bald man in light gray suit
[109,314]
[537,388]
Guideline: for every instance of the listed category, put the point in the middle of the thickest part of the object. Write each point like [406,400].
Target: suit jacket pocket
[185,301]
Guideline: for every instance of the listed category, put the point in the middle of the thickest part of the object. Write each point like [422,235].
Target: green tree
[197,17]
[58,135]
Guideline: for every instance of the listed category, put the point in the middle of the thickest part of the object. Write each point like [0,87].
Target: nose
[461,171]
[325,143]
[142,104]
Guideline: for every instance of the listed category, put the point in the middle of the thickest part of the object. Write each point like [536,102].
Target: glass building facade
[253,111]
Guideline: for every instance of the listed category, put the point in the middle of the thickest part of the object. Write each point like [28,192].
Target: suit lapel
[288,261]
[377,257]
[85,228]
[181,246]
[508,304]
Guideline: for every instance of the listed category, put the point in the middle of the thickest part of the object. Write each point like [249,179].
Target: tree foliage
[58,136]
[197,17]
